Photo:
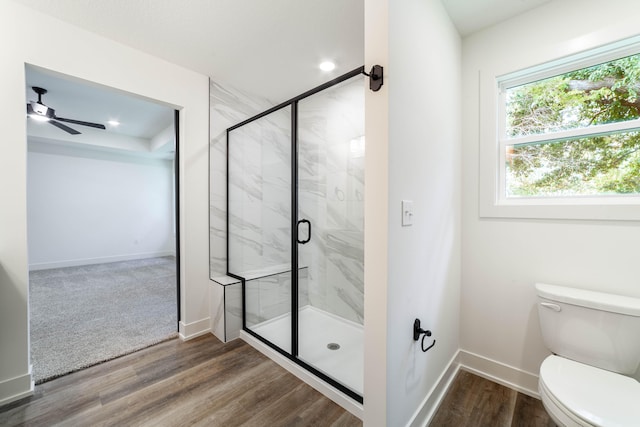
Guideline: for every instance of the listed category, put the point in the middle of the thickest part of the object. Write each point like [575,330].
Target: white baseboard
[430,404]
[509,376]
[335,395]
[188,331]
[98,260]
[16,388]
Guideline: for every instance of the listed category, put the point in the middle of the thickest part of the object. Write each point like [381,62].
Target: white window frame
[494,140]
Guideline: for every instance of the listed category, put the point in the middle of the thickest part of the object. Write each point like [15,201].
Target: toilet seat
[582,395]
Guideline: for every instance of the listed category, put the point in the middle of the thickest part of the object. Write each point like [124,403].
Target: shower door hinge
[375,77]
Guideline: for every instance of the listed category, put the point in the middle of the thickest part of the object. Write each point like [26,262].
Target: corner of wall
[16,388]
[188,331]
[431,402]
[509,376]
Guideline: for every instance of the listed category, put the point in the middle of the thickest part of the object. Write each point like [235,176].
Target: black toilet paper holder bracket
[417,331]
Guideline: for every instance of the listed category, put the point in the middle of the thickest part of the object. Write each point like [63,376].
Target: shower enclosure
[295,224]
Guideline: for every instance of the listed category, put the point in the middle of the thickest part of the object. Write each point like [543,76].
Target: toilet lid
[597,396]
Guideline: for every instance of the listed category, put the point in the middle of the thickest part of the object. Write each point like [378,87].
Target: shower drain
[333,346]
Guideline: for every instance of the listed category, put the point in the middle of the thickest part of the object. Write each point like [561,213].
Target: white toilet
[595,340]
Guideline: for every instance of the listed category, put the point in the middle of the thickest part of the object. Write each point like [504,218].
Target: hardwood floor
[199,382]
[473,401]
[204,382]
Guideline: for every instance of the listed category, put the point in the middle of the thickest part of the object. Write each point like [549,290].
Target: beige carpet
[81,316]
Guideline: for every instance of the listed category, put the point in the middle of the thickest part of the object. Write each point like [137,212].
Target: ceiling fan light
[39,112]
[39,117]
[40,109]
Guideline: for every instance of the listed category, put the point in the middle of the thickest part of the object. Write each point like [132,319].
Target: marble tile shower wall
[331,196]
[260,195]
[228,107]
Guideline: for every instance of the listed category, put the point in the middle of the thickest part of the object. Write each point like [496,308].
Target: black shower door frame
[293,355]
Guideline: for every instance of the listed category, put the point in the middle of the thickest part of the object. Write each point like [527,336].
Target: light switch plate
[407,213]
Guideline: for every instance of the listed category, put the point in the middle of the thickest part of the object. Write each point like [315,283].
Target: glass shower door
[260,222]
[330,171]
[295,228]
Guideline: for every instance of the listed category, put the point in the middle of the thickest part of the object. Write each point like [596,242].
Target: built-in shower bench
[225,298]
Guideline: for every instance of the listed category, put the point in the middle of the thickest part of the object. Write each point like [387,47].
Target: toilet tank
[594,328]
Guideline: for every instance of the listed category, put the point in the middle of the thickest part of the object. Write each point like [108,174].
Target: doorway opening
[102,223]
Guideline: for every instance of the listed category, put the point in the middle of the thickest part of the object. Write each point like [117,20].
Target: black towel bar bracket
[376,79]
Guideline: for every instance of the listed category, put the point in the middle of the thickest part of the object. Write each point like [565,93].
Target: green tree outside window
[598,164]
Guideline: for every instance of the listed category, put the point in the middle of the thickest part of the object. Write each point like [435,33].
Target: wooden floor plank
[240,405]
[322,413]
[202,381]
[280,411]
[185,378]
[214,403]
[529,412]
[494,406]
[346,420]
[459,402]
[220,374]
[473,401]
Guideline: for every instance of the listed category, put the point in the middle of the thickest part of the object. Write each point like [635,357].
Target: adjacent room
[379,212]
[101,223]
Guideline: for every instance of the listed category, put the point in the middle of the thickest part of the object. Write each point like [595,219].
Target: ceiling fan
[39,111]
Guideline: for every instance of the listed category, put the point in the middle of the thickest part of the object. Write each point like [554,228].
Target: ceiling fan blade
[64,127]
[79,122]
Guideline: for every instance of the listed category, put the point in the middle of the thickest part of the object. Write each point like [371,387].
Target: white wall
[108,63]
[376,236]
[87,206]
[424,166]
[422,80]
[503,258]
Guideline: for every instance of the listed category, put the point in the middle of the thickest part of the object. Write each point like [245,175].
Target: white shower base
[317,329]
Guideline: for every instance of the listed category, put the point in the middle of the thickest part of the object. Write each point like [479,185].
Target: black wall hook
[417,331]
[375,77]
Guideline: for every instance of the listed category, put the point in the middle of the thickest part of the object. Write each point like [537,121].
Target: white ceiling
[78,100]
[470,16]
[266,47]
[269,48]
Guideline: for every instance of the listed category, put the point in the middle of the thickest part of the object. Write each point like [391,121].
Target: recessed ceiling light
[327,66]
[113,122]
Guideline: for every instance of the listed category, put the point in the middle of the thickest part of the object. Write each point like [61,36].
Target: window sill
[595,209]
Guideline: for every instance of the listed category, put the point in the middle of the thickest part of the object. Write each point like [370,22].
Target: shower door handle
[304,221]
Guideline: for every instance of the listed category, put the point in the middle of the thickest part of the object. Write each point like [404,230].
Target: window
[567,134]
[573,134]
